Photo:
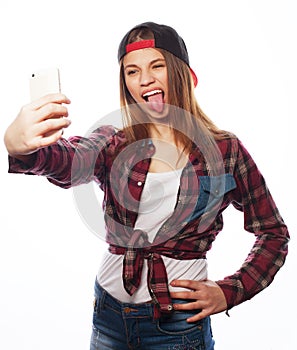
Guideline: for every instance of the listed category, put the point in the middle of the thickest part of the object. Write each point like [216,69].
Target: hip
[118,325]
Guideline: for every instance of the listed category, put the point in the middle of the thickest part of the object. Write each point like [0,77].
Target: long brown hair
[187,119]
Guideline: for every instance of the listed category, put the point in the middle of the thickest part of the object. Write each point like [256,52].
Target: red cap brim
[142,44]
[194,76]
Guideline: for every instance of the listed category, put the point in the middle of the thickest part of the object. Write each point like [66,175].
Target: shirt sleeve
[262,218]
[70,162]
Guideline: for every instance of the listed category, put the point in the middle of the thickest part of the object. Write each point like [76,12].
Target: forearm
[27,160]
[69,162]
[259,269]
[41,162]
[54,162]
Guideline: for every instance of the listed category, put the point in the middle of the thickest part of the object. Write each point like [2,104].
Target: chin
[154,115]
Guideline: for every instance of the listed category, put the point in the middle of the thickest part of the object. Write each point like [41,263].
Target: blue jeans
[123,326]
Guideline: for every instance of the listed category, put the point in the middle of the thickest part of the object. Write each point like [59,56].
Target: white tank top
[157,204]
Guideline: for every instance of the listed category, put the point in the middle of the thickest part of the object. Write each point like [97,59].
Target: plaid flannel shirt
[120,171]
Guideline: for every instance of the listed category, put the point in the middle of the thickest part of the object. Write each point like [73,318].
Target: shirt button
[139,183]
[169,307]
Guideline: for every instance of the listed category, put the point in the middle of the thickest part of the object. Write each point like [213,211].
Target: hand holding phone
[36,125]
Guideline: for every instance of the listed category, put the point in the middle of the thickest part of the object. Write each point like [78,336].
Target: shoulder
[233,152]
[228,143]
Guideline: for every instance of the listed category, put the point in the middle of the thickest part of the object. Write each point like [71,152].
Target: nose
[146,78]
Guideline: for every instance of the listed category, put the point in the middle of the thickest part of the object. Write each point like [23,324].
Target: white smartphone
[43,82]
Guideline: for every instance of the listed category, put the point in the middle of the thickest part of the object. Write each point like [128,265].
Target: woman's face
[146,79]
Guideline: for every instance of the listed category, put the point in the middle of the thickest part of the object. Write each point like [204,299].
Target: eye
[159,65]
[131,71]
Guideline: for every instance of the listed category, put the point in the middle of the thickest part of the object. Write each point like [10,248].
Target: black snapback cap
[165,37]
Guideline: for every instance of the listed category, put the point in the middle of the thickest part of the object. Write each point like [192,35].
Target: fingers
[189,284]
[49,132]
[50,111]
[199,305]
[50,116]
[51,138]
[193,287]
[49,106]
[50,98]
[206,296]
[51,126]
[192,295]
[38,124]
[202,310]
[199,316]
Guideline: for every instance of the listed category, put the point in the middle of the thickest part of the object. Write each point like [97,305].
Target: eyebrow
[151,63]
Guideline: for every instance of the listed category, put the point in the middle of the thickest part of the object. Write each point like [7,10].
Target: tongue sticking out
[156,102]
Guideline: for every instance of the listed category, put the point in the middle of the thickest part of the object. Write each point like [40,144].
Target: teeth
[150,93]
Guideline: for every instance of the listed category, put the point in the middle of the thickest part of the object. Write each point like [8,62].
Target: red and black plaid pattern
[121,170]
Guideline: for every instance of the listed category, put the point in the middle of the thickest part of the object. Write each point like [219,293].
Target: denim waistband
[128,310]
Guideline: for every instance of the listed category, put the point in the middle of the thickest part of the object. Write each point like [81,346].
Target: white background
[244,55]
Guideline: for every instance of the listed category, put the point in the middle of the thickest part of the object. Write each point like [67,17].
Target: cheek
[131,87]
[164,78]
[135,95]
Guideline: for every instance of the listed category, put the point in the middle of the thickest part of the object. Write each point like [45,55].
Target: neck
[162,132]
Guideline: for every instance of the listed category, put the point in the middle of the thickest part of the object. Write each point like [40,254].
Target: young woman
[167,176]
